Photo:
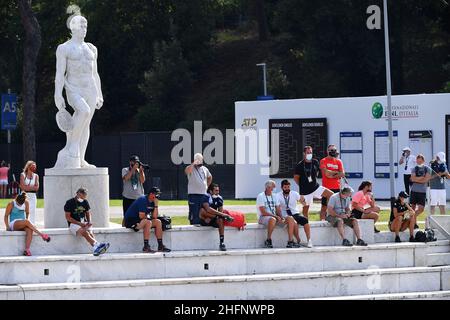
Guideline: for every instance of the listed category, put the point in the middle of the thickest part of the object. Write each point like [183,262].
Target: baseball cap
[82,190]
[441,156]
[403,194]
[406,149]
[154,190]
[134,158]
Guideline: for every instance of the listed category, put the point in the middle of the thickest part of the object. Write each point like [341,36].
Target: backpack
[425,236]
[420,236]
[239,219]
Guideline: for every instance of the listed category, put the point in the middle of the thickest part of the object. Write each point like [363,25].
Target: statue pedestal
[62,184]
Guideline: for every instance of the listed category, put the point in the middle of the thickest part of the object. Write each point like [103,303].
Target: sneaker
[27,252]
[147,249]
[412,239]
[164,249]
[268,243]
[360,242]
[228,218]
[310,244]
[346,243]
[297,244]
[100,249]
[376,230]
[222,247]
[290,244]
[397,239]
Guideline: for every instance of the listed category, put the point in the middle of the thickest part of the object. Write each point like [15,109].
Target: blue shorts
[195,204]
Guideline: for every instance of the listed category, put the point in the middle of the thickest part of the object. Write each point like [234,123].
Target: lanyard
[199,174]
[287,201]
[308,172]
[269,204]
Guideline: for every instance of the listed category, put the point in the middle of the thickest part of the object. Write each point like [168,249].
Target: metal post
[264,77]
[9,139]
[389,106]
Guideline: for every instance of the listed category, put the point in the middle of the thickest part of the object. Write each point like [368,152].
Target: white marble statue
[76,72]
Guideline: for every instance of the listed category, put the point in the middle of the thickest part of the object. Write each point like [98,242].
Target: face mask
[420,165]
[332,153]
[80,200]
[309,156]
[215,196]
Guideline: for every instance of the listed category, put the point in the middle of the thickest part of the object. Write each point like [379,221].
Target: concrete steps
[135,266]
[180,238]
[430,295]
[265,286]
[438,259]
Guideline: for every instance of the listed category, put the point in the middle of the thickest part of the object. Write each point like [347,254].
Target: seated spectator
[16,219]
[269,214]
[78,216]
[363,204]
[143,215]
[211,213]
[338,214]
[402,217]
[288,202]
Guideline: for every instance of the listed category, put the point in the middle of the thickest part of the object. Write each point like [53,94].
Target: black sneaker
[268,243]
[222,247]
[397,239]
[163,249]
[147,249]
[412,239]
[228,218]
[360,242]
[346,243]
[290,244]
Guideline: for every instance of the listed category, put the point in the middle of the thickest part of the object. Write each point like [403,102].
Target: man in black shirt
[305,175]
[402,217]
[78,216]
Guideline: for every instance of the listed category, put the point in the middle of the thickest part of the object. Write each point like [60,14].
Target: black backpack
[425,236]
[420,236]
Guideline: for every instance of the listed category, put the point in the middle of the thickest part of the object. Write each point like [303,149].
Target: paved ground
[173,211]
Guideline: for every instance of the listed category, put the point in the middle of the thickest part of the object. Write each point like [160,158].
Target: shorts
[334,221]
[131,222]
[301,220]
[74,229]
[264,220]
[418,198]
[438,197]
[3,182]
[213,223]
[324,200]
[357,214]
[11,224]
[195,202]
[317,194]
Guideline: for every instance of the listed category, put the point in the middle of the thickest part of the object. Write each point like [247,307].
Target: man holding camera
[133,183]
[143,215]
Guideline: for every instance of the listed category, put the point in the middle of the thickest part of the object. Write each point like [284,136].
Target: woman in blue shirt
[16,219]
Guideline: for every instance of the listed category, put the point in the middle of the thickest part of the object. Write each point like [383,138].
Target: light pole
[389,106]
[263,65]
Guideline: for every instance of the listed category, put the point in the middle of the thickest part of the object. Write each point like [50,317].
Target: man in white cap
[438,195]
[199,179]
[406,163]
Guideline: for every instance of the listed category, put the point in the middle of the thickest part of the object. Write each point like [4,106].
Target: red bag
[239,219]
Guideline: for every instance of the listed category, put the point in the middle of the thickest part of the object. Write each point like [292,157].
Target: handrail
[432,222]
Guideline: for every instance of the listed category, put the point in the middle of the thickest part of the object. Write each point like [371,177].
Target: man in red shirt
[332,171]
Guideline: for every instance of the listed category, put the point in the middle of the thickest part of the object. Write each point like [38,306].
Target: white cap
[406,149]
[441,156]
[198,158]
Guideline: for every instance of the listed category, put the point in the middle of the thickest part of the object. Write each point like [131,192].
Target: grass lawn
[313,216]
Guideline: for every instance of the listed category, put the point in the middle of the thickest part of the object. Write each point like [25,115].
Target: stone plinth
[62,184]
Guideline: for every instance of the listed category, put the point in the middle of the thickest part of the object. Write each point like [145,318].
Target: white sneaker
[310,244]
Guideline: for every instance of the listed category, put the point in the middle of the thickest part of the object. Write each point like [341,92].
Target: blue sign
[9,111]
[265,97]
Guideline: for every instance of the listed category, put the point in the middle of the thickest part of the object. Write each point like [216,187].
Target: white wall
[343,114]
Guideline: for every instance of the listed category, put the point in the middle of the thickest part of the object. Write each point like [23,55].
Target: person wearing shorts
[143,215]
[363,204]
[402,217]
[288,200]
[332,172]
[338,215]
[269,213]
[211,213]
[305,175]
[438,194]
[78,216]
[4,169]
[420,175]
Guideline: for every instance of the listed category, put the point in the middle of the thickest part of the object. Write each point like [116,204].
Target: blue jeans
[195,203]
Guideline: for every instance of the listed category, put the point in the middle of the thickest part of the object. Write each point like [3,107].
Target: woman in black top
[402,217]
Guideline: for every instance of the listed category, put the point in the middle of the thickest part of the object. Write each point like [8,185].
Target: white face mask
[309,156]
[80,200]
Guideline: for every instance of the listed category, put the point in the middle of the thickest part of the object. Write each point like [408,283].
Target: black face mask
[332,153]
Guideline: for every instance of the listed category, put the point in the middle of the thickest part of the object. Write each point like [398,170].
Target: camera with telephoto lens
[143,165]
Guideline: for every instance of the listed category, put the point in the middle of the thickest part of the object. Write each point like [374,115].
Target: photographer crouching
[133,183]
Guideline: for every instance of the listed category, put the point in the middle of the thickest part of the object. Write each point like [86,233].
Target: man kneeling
[339,214]
[211,213]
[143,215]
[78,216]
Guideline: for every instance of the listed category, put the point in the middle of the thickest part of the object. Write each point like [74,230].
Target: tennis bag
[239,219]
[166,222]
[425,236]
